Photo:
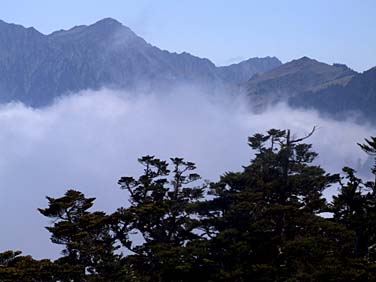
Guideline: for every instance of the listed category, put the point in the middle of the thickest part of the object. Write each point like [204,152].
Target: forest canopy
[263,223]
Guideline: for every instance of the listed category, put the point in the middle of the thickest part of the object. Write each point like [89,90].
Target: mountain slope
[36,68]
[358,96]
[239,73]
[333,90]
[296,77]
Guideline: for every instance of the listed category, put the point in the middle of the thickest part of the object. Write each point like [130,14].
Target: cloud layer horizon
[87,141]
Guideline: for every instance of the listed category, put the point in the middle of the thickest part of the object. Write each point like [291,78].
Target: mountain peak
[304,61]
[15,30]
[111,27]
[109,22]
[298,76]
[100,32]
[105,25]
[305,58]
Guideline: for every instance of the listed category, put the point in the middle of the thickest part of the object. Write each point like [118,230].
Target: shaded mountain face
[36,68]
[333,90]
[296,77]
[357,98]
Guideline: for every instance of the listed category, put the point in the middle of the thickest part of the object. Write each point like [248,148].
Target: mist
[88,140]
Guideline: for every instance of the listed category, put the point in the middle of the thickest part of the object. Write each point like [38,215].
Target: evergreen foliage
[264,223]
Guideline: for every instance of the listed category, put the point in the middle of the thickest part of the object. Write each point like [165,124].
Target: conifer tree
[369,147]
[264,222]
[161,212]
[355,208]
[15,267]
[89,247]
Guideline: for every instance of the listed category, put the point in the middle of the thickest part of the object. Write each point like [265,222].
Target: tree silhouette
[162,213]
[89,247]
[263,223]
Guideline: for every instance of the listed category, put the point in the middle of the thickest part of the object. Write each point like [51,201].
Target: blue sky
[341,31]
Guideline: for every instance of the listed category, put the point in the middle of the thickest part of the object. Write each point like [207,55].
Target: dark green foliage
[355,208]
[89,245]
[264,223]
[162,212]
[369,147]
[14,267]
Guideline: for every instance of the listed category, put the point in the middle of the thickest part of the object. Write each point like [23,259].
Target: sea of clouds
[87,141]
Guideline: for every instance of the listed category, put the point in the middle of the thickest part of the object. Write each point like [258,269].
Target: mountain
[333,90]
[239,73]
[36,68]
[295,77]
[357,97]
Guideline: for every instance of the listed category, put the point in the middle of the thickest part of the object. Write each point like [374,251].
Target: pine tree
[89,247]
[369,147]
[265,223]
[355,208]
[161,212]
[15,267]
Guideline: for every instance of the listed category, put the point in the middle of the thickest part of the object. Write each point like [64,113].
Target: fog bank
[89,140]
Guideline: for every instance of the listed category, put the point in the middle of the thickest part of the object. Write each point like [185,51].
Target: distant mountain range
[334,90]
[36,68]
[356,97]
[295,77]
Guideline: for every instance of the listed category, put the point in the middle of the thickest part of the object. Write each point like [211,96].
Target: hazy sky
[225,31]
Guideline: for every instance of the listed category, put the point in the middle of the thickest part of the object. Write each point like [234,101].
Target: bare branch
[305,137]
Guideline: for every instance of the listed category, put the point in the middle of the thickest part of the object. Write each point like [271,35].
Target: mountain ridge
[333,90]
[36,68]
[356,98]
[318,73]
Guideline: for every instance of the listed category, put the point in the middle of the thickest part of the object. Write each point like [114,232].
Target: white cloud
[88,141]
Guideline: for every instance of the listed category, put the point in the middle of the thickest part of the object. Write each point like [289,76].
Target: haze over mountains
[297,76]
[36,68]
[358,96]
[334,90]
[87,140]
